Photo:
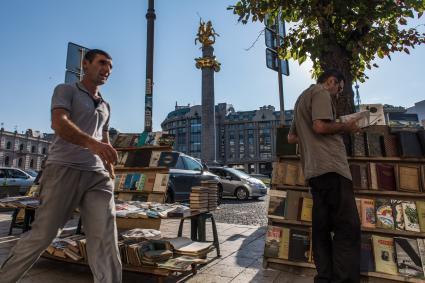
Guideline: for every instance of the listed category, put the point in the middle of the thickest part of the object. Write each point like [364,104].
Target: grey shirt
[320,153]
[89,116]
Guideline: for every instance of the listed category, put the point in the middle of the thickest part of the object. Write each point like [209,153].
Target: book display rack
[389,185]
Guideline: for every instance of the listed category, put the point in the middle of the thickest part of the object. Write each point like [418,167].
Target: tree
[346,35]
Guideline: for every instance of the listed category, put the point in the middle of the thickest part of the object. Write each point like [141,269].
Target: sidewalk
[241,249]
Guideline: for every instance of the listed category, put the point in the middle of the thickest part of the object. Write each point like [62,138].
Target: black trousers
[337,255]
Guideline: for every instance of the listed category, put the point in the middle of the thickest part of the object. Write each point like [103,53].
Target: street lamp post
[150,16]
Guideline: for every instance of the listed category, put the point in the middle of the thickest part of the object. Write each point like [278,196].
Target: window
[231,145]
[32,163]
[241,145]
[21,147]
[32,149]
[20,162]
[2,173]
[8,145]
[6,161]
[16,174]
[44,150]
[179,164]
[251,146]
[192,164]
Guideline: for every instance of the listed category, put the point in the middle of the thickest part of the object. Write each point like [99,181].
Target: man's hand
[110,168]
[105,151]
[351,126]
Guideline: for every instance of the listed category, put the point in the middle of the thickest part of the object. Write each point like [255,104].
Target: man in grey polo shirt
[77,174]
[324,159]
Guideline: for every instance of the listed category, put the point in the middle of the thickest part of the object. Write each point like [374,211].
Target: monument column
[208,64]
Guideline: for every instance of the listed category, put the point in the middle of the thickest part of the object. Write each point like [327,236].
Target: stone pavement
[241,259]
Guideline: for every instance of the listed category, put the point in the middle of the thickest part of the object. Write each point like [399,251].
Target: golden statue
[206,34]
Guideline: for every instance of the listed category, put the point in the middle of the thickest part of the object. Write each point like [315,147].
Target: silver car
[239,184]
[15,177]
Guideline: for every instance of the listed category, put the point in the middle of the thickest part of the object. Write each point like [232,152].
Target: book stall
[388,170]
[141,179]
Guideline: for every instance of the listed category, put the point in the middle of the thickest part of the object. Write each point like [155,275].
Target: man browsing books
[76,175]
[326,169]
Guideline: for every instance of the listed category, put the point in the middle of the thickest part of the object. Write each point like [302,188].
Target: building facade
[25,151]
[243,139]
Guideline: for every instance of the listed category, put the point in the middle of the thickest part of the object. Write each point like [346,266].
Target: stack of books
[212,193]
[199,198]
[187,247]
[72,247]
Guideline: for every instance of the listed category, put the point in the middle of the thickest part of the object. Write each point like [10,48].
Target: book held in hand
[362,117]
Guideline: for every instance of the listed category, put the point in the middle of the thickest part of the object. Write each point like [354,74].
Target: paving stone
[238,261]
[224,270]
[209,278]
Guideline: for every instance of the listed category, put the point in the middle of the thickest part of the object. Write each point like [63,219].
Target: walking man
[326,169]
[77,174]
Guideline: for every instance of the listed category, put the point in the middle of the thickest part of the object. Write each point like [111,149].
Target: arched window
[20,162]
[8,145]
[44,150]
[21,146]
[32,163]
[32,149]
[6,161]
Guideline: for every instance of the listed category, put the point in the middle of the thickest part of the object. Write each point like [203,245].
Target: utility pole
[150,16]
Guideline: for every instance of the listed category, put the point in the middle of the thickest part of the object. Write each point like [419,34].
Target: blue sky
[35,35]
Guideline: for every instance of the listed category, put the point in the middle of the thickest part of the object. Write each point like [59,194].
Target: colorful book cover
[134,180]
[420,207]
[368,213]
[410,215]
[284,244]
[384,254]
[272,245]
[140,184]
[127,182]
[384,214]
[398,214]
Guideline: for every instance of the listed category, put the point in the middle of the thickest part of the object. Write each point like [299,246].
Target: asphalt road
[249,212]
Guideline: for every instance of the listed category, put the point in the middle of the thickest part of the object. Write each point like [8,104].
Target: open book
[362,116]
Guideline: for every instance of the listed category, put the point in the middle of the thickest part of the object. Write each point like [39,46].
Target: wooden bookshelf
[366,274]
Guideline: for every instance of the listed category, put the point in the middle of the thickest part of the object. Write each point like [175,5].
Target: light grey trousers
[62,190]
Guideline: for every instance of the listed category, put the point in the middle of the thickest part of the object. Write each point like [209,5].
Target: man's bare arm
[108,166]
[331,127]
[68,131]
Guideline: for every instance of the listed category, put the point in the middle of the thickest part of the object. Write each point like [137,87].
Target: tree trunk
[338,58]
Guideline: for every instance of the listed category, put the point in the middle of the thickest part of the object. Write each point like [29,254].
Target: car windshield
[238,173]
[32,173]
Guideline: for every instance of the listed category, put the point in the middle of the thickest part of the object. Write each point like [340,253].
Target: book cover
[408,259]
[272,244]
[140,184]
[359,173]
[277,203]
[292,202]
[363,118]
[149,181]
[410,214]
[301,177]
[409,178]
[384,214]
[355,175]
[420,208]
[291,174]
[161,182]
[368,213]
[384,254]
[155,155]
[409,145]
[127,181]
[359,208]
[138,158]
[168,159]
[386,177]
[373,144]
[358,144]
[389,143]
[421,249]
[119,181]
[373,179]
[284,244]
[305,209]
[121,159]
[134,180]
[398,214]
[367,264]
[299,245]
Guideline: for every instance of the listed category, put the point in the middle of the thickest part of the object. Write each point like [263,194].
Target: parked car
[239,184]
[186,173]
[31,172]
[264,178]
[15,177]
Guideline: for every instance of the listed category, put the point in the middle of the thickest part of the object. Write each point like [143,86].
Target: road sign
[272,61]
[74,62]
[271,24]
[270,39]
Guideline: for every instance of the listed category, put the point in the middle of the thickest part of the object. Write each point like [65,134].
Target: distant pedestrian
[76,175]
[326,169]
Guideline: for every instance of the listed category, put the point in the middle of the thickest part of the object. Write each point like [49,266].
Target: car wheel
[241,193]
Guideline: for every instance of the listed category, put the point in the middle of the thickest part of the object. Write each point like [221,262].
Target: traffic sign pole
[279,75]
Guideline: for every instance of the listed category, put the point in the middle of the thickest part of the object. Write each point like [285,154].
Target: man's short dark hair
[91,54]
[330,73]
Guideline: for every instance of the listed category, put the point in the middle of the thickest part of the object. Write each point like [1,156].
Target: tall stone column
[208,64]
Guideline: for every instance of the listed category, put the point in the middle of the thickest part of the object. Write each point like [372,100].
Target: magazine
[362,116]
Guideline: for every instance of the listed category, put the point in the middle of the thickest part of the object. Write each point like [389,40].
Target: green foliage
[343,34]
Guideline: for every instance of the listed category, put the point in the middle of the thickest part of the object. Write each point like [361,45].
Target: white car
[15,177]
